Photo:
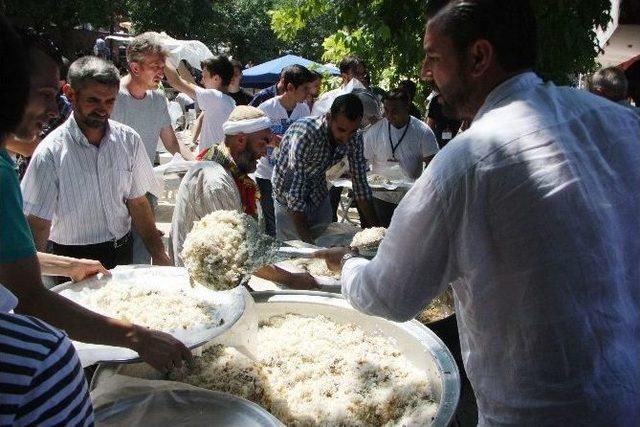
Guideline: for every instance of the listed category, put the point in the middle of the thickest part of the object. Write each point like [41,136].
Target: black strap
[394,148]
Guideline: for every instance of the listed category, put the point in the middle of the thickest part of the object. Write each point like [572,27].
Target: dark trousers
[108,253]
[384,210]
[266,204]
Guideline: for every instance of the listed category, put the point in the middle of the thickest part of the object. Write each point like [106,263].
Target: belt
[121,241]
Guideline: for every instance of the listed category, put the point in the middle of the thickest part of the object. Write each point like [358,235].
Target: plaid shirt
[306,153]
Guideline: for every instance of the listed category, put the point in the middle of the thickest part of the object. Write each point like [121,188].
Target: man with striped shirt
[87,180]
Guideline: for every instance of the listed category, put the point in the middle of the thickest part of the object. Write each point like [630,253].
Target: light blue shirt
[533,215]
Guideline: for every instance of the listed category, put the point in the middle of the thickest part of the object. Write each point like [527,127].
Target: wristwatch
[352,254]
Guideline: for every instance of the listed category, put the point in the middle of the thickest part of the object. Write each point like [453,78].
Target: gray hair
[149,43]
[92,68]
[609,82]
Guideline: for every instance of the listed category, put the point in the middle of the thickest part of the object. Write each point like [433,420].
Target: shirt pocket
[124,181]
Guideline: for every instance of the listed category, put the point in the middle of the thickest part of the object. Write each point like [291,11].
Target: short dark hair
[349,63]
[221,66]
[295,74]
[409,86]
[33,40]
[509,25]
[397,95]
[611,82]
[349,105]
[14,79]
[92,69]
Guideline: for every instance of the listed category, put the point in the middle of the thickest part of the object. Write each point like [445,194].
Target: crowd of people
[525,201]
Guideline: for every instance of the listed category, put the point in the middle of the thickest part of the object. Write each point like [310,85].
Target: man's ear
[482,56]
[135,68]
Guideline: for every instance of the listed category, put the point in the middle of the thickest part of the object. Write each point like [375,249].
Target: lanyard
[394,148]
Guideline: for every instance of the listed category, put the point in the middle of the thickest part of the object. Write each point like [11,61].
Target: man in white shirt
[87,181]
[221,182]
[213,100]
[143,107]
[282,110]
[532,214]
[397,147]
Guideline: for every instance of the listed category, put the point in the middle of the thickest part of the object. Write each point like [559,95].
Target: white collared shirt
[82,188]
[533,215]
[410,149]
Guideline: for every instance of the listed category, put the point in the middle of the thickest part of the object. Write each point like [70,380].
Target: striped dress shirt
[82,188]
[41,380]
[306,153]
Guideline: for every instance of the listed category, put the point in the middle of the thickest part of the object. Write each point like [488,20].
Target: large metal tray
[184,408]
[420,345]
[231,305]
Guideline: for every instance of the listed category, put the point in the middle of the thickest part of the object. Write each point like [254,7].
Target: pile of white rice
[164,310]
[439,308]
[220,248]
[315,267]
[369,237]
[314,372]
[376,179]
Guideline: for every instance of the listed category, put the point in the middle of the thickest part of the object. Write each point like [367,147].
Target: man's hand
[333,256]
[162,259]
[302,281]
[159,349]
[80,269]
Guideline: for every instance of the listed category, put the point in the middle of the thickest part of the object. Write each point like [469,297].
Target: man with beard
[532,215]
[87,180]
[42,372]
[221,182]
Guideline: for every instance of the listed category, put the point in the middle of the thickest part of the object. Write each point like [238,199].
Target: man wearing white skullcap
[221,182]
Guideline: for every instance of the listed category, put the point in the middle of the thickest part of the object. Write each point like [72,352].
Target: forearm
[275,274]
[40,229]
[197,128]
[178,82]
[23,279]
[302,226]
[55,265]
[169,140]
[144,223]
[366,208]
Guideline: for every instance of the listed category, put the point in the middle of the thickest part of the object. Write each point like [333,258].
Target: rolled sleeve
[40,186]
[143,178]
[358,169]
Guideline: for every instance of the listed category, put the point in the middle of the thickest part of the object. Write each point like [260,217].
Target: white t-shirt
[217,107]
[147,116]
[280,122]
[418,142]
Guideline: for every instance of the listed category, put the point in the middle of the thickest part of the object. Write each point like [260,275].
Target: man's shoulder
[269,104]
[30,332]
[210,173]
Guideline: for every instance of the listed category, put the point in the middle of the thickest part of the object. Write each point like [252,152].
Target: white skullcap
[246,119]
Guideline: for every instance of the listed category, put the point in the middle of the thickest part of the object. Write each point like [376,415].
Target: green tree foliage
[388,33]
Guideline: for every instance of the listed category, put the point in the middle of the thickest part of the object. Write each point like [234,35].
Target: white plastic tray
[230,306]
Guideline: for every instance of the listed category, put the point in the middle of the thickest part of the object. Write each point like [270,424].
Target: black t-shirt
[443,124]
[241,97]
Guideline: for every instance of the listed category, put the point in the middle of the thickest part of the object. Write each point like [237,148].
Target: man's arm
[75,268]
[171,143]
[22,278]
[366,208]
[197,128]
[177,82]
[40,228]
[302,281]
[144,222]
[302,226]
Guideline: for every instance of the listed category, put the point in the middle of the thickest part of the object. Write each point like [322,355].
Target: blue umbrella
[268,73]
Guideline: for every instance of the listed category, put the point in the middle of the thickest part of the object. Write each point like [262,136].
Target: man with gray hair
[611,83]
[142,106]
[87,180]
